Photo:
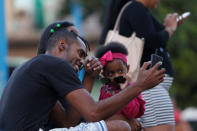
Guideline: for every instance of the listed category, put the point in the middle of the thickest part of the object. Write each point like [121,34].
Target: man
[86,75]
[34,88]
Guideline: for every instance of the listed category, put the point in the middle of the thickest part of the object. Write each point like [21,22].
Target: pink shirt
[134,109]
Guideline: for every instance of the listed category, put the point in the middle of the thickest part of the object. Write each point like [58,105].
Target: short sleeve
[63,79]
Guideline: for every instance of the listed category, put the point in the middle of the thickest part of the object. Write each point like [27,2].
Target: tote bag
[134,45]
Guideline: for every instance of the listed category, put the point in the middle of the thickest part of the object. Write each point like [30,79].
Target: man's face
[76,53]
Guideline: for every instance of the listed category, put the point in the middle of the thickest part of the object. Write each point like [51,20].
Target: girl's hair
[114,8]
[114,47]
[55,27]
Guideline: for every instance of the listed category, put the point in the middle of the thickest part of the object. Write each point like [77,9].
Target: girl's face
[114,69]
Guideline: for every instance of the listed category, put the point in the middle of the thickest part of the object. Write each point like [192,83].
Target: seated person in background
[113,58]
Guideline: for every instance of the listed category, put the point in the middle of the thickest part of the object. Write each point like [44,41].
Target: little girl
[113,58]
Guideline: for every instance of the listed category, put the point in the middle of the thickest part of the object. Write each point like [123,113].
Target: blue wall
[3,48]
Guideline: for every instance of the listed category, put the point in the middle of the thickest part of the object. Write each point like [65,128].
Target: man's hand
[135,125]
[92,66]
[149,78]
[127,82]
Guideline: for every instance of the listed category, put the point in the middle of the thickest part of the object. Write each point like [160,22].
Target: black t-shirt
[33,90]
[137,18]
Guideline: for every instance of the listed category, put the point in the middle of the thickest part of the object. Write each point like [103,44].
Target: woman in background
[159,114]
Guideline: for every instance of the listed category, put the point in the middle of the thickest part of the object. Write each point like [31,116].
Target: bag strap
[116,27]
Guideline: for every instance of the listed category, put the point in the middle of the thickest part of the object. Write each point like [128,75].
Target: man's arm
[95,111]
[70,116]
[64,117]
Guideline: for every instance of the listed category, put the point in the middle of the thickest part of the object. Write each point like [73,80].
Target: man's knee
[118,125]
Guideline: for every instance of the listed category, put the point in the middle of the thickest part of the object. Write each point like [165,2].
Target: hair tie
[109,56]
[52,30]
[58,25]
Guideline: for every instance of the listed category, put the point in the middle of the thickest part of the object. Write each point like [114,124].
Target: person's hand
[124,85]
[93,66]
[149,78]
[170,23]
[135,125]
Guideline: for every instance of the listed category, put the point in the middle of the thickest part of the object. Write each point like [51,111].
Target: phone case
[155,59]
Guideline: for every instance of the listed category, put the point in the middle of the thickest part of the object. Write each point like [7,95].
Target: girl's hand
[93,66]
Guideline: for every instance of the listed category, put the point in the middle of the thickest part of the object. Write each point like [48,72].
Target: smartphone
[184,15]
[155,59]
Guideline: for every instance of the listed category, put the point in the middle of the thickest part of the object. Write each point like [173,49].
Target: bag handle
[116,27]
[117,23]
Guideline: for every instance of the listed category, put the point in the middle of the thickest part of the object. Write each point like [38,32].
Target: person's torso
[25,94]
[126,30]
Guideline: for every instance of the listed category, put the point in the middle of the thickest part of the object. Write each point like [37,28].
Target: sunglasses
[119,79]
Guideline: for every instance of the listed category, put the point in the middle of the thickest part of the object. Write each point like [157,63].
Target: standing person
[113,58]
[34,88]
[137,18]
